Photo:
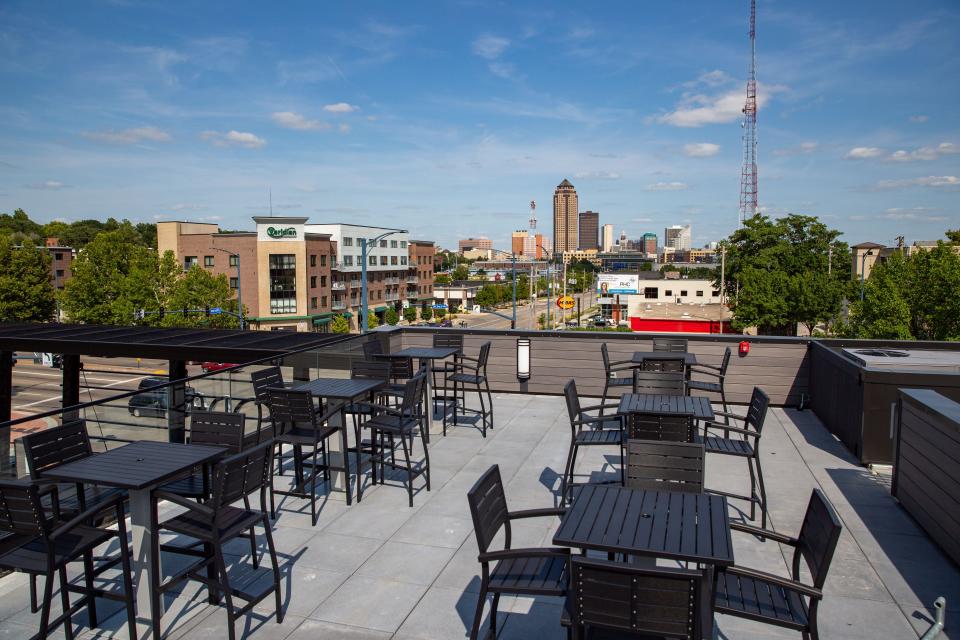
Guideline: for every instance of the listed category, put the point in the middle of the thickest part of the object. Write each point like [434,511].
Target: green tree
[462,272]
[487,296]
[391,317]
[884,312]
[454,306]
[19,224]
[410,314]
[953,235]
[339,324]
[441,278]
[440,313]
[26,293]
[200,289]
[372,321]
[426,312]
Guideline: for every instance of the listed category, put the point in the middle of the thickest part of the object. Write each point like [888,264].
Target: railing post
[176,403]
[6,406]
[70,367]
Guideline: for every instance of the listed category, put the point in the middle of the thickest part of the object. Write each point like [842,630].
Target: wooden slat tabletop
[697,406]
[639,357]
[661,524]
[340,388]
[137,465]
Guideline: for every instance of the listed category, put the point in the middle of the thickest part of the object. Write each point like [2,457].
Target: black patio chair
[393,424]
[528,571]
[782,602]
[588,430]
[42,544]
[473,372]
[268,378]
[215,523]
[664,383]
[610,370]
[635,601]
[304,427]
[50,448]
[641,425]
[445,393]
[746,446]
[216,428]
[675,345]
[666,466]
[718,373]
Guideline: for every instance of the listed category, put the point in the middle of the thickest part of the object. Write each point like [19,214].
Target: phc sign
[614,283]
[282,232]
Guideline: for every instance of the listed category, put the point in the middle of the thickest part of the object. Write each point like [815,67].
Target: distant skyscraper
[589,230]
[539,242]
[565,222]
[523,244]
[650,243]
[677,237]
[606,243]
[468,244]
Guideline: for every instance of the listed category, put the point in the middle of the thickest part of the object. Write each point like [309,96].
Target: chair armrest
[184,502]
[765,533]
[461,366]
[379,408]
[536,513]
[538,552]
[720,425]
[44,489]
[84,516]
[468,358]
[697,369]
[777,580]
[587,420]
[594,407]
[727,414]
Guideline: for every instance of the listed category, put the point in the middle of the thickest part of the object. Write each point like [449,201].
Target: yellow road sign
[566,302]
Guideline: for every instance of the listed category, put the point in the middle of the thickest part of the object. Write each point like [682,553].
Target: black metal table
[428,355]
[697,406]
[659,524]
[344,391]
[640,357]
[139,467]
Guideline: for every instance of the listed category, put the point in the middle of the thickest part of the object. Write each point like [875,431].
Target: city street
[526,314]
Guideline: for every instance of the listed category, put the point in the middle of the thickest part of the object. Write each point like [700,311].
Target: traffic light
[206,310]
[161,312]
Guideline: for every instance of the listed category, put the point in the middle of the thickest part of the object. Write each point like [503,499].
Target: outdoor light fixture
[523,359]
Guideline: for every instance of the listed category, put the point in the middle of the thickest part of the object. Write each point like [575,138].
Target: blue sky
[448,118]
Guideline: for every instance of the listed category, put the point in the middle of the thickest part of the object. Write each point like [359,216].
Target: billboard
[617,283]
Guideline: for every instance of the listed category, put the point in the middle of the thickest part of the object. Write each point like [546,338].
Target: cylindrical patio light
[523,359]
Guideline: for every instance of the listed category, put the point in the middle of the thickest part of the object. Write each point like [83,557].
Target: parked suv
[153,402]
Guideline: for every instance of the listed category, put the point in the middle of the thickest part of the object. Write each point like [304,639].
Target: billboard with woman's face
[614,284]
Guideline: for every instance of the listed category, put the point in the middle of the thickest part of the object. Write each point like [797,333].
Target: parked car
[215,366]
[153,402]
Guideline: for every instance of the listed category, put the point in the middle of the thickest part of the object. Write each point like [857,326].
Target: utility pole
[829,260]
[723,274]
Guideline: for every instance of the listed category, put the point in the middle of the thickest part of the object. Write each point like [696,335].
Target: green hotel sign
[282,232]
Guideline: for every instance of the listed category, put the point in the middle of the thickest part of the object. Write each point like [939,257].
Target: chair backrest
[669,466]
[241,474]
[291,406]
[671,365]
[653,601]
[265,379]
[21,511]
[818,538]
[725,362]
[677,345]
[373,369]
[757,411]
[665,383]
[454,340]
[372,348]
[573,401]
[656,426]
[605,352]
[413,394]
[483,357]
[52,447]
[218,428]
[488,508]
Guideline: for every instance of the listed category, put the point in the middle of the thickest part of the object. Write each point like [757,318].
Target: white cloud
[186,207]
[924,153]
[804,148]
[861,153]
[505,70]
[701,149]
[48,185]
[641,220]
[490,46]
[914,213]
[291,120]
[698,109]
[715,78]
[667,186]
[129,136]
[927,181]
[596,175]
[344,127]
[341,107]
[233,139]
[919,118]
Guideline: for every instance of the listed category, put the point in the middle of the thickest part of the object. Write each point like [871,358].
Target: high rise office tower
[606,243]
[650,244]
[677,237]
[565,219]
[589,230]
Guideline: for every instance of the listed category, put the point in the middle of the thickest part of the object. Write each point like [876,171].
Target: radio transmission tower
[748,174]
[533,215]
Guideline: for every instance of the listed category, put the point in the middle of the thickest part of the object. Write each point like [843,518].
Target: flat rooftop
[674,311]
[380,569]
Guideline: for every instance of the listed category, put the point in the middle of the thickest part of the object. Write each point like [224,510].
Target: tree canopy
[26,293]
[73,234]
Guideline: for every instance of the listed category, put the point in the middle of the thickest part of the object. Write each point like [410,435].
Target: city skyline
[127,110]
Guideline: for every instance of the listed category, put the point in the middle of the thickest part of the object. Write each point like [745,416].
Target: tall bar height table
[427,355]
[343,391]
[140,467]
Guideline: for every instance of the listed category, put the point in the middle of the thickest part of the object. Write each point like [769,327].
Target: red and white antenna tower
[748,174]
[533,215]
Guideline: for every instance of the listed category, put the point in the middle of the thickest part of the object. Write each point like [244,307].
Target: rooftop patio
[379,569]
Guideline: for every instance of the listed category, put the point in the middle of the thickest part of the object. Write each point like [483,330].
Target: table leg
[338,453]
[146,562]
[431,425]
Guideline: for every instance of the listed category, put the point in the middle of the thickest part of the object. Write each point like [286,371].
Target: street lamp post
[363,275]
[863,262]
[239,288]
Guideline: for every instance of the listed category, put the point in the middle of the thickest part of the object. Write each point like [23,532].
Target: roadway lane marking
[58,376]
[24,406]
